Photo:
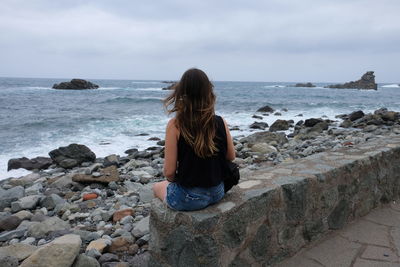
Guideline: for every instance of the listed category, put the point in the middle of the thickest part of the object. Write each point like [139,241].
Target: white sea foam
[391,86]
[148,82]
[275,85]
[157,89]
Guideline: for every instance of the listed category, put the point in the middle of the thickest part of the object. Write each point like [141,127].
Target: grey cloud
[159,39]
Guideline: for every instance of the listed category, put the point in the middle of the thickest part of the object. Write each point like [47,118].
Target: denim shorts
[193,198]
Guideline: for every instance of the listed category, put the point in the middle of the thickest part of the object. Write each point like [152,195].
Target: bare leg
[160,189]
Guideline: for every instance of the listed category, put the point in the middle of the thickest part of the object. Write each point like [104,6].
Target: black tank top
[194,171]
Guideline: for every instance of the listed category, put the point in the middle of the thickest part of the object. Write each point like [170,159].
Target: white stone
[225,206]
[249,184]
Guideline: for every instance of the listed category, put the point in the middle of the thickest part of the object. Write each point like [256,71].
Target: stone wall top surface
[260,181]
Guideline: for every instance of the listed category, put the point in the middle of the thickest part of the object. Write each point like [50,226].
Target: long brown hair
[193,101]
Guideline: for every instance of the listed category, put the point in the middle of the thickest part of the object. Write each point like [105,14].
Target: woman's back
[194,171]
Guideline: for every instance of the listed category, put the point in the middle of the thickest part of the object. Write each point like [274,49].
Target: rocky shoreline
[81,210]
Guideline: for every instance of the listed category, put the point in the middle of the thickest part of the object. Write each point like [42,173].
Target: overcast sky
[259,40]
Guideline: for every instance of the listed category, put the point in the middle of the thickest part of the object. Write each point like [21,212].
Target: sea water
[124,114]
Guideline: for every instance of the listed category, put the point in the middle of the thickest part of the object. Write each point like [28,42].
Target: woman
[197,145]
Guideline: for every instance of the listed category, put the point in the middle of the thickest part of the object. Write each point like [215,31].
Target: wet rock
[61,252]
[346,124]
[356,115]
[311,122]
[72,155]
[38,163]
[279,125]
[267,109]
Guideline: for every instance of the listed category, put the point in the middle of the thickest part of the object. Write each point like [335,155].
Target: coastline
[107,202]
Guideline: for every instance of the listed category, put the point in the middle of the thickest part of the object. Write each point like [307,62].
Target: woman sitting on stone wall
[197,145]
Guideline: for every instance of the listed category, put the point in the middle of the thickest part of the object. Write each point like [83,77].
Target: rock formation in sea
[367,81]
[304,85]
[76,84]
[171,86]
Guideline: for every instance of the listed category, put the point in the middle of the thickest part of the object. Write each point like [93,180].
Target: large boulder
[76,84]
[279,125]
[367,81]
[19,251]
[38,163]
[72,155]
[61,252]
[311,122]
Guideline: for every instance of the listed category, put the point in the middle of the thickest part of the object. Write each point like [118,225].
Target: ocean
[124,114]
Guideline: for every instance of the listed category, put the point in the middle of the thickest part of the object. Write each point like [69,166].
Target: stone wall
[278,210]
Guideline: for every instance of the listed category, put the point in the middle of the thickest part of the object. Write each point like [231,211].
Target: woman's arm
[171,150]
[230,152]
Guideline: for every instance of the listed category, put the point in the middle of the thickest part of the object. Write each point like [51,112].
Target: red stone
[348,144]
[119,214]
[89,196]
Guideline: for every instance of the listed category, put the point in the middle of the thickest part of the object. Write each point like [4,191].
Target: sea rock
[319,127]
[267,109]
[265,137]
[85,261]
[304,85]
[77,84]
[72,155]
[61,252]
[41,229]
[367,81]
[38,163]
[259,125]
[171,86]
[279,125]
[107,175]
[10,195]
[19,251]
